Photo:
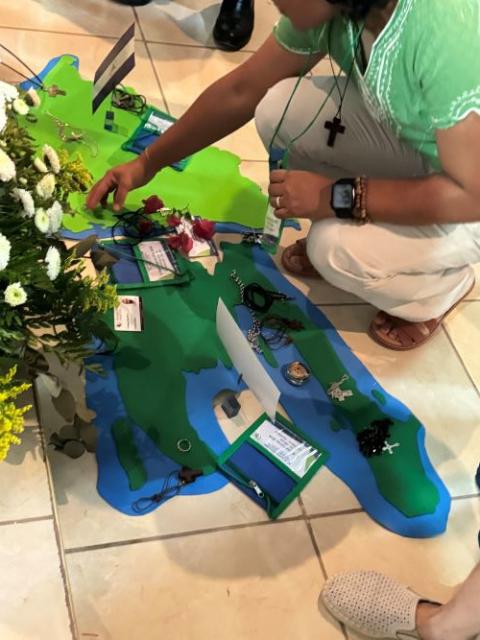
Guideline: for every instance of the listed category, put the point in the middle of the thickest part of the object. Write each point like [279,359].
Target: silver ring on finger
[277,202]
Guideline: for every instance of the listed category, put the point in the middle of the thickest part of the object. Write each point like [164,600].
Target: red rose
[181,242]
[204,229]
[152,204]
[144,226]
[173,220]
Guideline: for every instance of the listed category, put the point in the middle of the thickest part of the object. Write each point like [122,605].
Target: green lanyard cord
[322,106]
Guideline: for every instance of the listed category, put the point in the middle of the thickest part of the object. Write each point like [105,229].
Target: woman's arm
[229,103]
[449,197]
[222,108]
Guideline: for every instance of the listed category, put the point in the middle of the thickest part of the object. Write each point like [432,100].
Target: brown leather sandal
[295,260]
[400,335]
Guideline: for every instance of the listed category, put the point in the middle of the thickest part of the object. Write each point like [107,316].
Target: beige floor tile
[36,49]
[185,72]
[86,519]
[101,17]
[257,172]
[23,478]
[32,598]
[190,22]
[432,567]
[328,494]
[260,582]
[463,326]
[433,384]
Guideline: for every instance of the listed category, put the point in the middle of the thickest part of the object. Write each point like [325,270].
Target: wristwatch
[343,198]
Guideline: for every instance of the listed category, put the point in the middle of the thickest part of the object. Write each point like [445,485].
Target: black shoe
[133,3]
[234,24]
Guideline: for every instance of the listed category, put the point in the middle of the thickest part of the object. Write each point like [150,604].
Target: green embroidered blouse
[424,69]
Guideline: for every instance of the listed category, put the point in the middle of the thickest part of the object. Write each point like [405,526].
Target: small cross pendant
[335,128]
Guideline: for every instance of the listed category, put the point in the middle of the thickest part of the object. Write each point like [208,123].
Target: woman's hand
[300,194]
[120,180]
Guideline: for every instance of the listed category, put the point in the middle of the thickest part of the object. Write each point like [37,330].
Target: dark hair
[359,8]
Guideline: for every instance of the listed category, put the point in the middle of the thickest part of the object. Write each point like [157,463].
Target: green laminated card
[272,461]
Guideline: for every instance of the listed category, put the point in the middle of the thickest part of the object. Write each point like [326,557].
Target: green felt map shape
[180,335]
[211,186]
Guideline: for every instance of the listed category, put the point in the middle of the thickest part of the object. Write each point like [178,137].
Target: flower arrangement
[46,302]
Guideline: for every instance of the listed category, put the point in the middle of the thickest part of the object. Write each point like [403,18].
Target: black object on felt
[231,406]
[371,441]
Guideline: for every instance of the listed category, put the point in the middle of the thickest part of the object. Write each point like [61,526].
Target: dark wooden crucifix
[335,127]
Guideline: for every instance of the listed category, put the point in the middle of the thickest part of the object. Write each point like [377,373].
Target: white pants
[416,273]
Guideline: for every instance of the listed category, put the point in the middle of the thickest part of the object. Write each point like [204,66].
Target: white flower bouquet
[46,303]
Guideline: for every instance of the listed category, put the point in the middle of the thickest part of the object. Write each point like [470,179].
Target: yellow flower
[11,417]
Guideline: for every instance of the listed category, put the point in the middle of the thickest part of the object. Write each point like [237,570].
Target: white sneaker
[373,604]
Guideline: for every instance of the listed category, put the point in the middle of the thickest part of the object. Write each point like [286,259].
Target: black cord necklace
[133,102]
[336,126]
[34,79]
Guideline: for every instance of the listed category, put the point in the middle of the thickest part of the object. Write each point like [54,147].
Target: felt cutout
[211,186]
[128,455]
[168,376]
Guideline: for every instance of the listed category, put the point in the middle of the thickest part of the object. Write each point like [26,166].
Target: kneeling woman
[384,159]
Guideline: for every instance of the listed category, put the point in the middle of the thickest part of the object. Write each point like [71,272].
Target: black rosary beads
[372,441]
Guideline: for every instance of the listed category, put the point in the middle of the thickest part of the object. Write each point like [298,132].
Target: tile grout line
[5,523]
[56,527]
[182,534]
[330,514]
[465,368]
[313,539]
[197,532]
[209,47]
[149,54]
[101,36]
[470,496]
[316,548]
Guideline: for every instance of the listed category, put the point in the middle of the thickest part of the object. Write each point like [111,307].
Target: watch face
[343,197]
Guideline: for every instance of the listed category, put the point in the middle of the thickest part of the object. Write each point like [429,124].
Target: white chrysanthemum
[20,106]
[8,91]
[7,167]
[54,263]
[5,247]
[25,197]
[42,220]
[55,216]
[51,155]
[3,114]
[23,181]
[46,186]
[40,165]
[33,98]
[15,294]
